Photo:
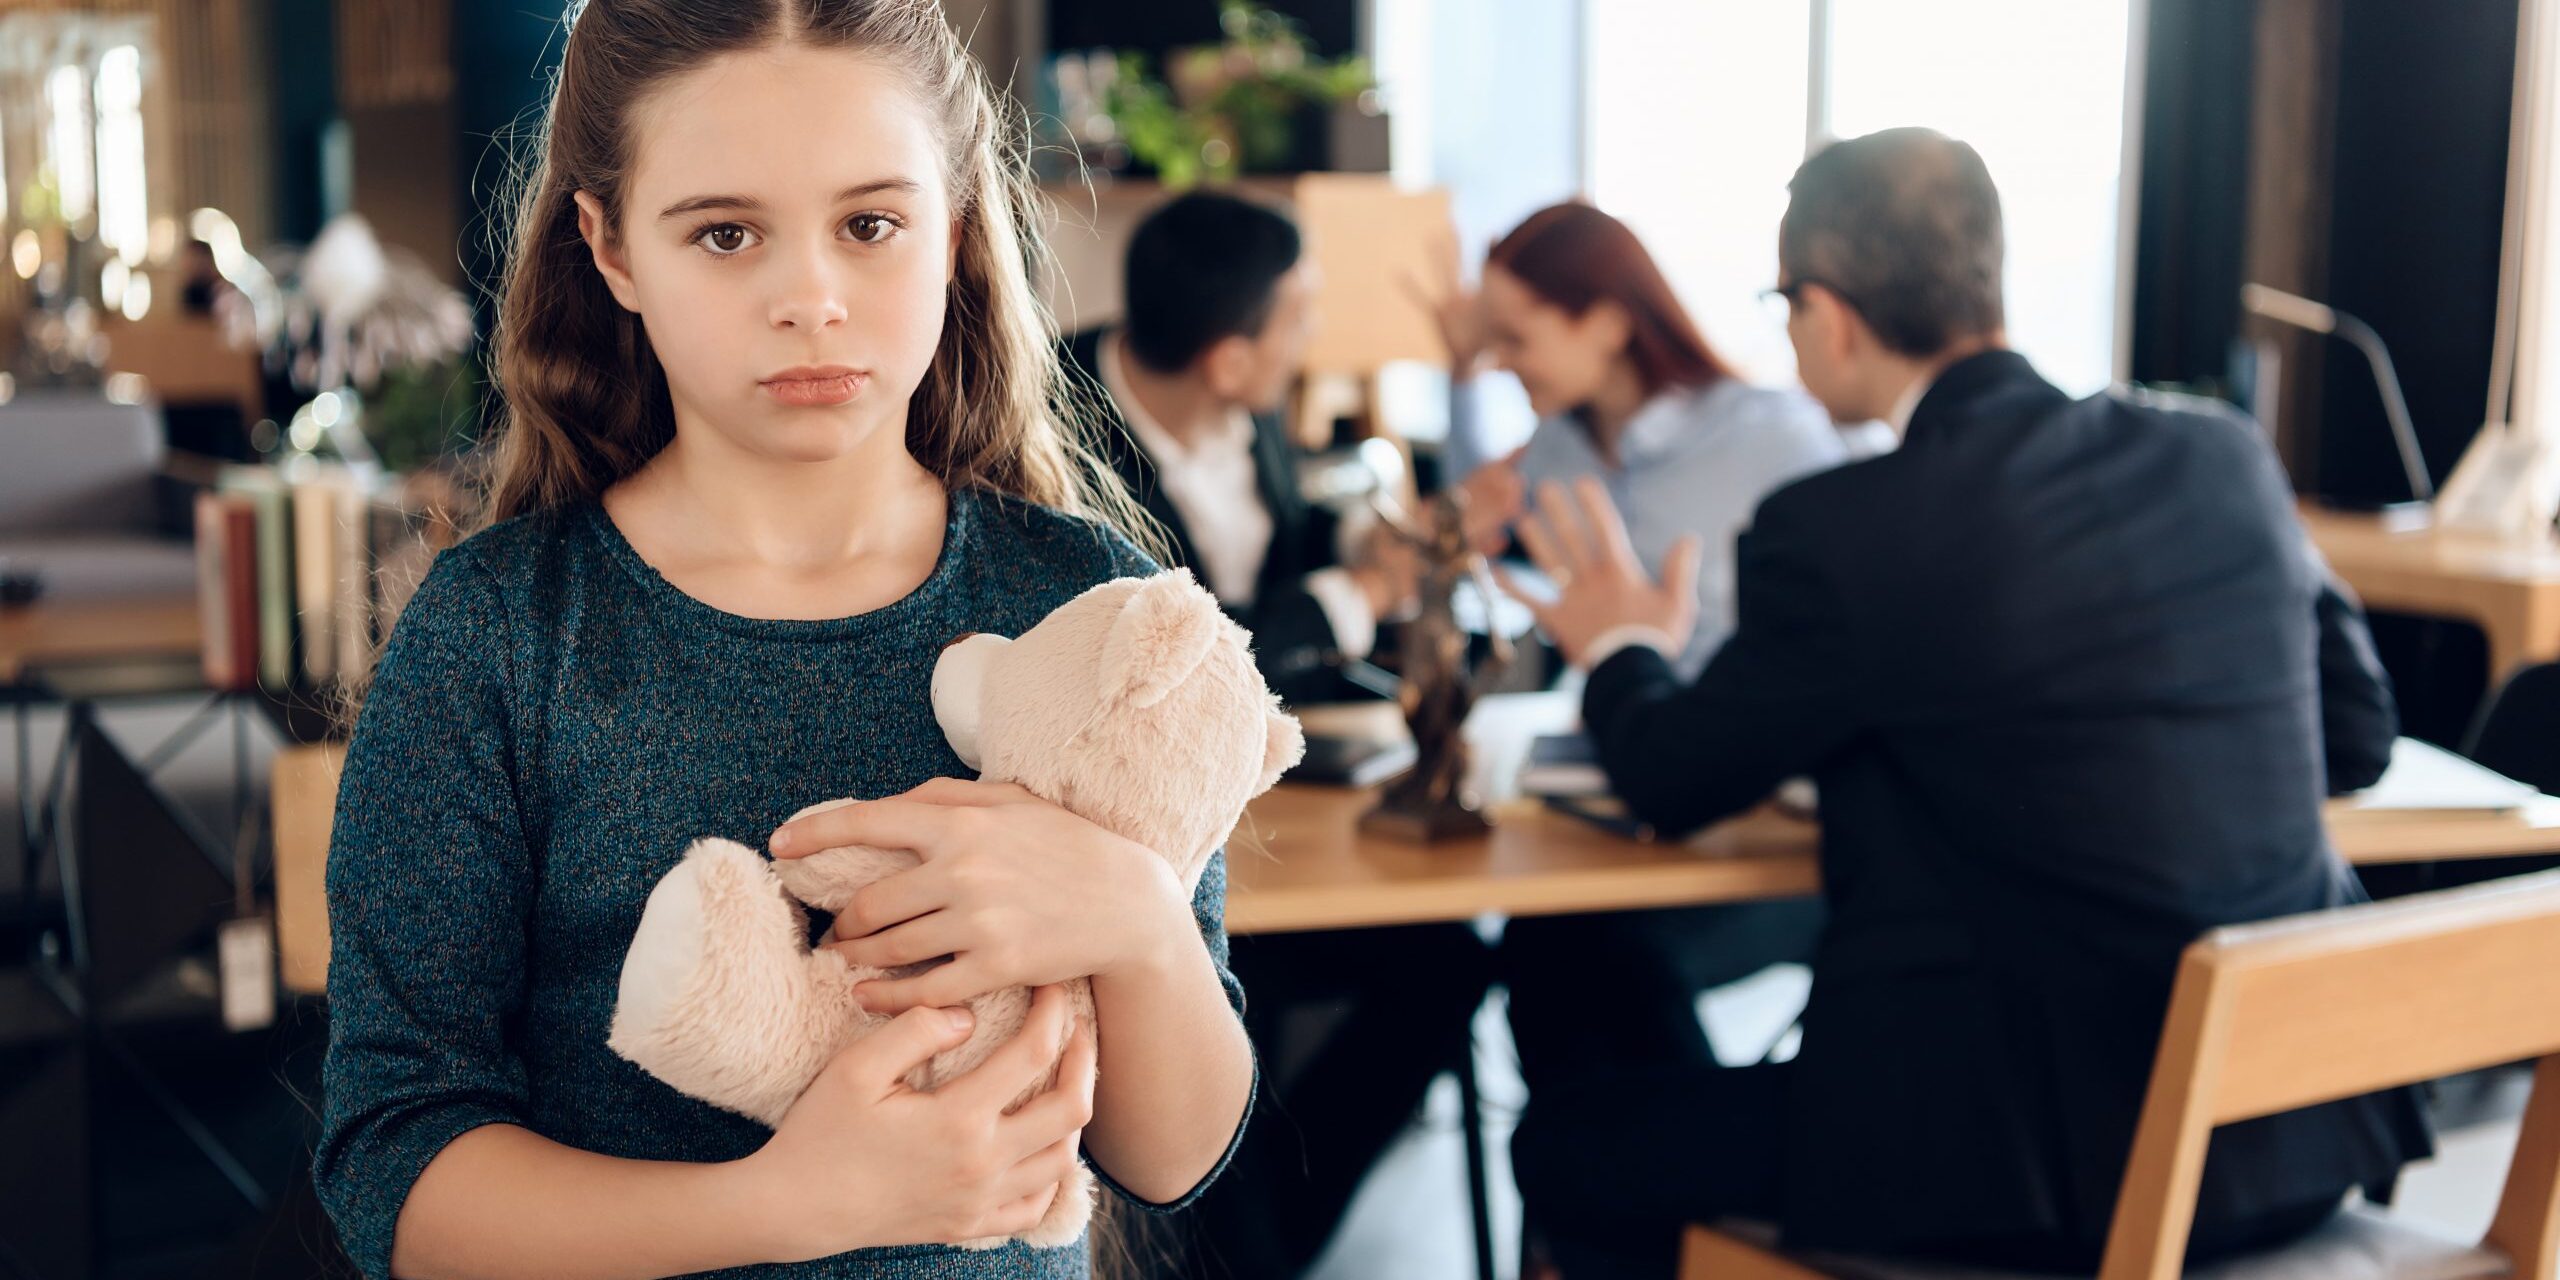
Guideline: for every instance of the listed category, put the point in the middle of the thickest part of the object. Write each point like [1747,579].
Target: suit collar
[1970,379]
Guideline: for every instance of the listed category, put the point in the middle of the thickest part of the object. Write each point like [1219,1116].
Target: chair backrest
[2519,735]
[187,360]
[2288,1013]
[141,876]
[78,462]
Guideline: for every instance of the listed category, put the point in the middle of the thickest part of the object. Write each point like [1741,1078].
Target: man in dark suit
[1350,1027]
[1219,302]
[2072,686]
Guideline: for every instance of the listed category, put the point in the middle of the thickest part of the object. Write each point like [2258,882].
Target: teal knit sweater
[551,724]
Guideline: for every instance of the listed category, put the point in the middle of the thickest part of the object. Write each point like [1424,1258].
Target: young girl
[780,426]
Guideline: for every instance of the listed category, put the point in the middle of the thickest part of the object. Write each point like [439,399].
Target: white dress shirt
[1212,484]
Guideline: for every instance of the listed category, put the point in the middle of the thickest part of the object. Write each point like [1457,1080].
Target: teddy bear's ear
[1283,742]
[1162,635]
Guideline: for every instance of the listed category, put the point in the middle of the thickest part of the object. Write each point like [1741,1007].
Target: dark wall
[306,101]
[1153,26]
[2188,239]
[505,53]
[2417,151]
[2424,95]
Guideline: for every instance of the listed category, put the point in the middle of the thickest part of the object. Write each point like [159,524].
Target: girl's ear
[598,233]
[951,262]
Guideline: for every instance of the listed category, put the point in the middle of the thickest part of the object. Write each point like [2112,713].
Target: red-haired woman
[1628,391]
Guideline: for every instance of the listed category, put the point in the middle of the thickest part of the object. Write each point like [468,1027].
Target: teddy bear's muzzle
[959,684]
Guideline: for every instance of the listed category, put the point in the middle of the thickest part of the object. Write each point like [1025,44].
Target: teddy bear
[1136,705]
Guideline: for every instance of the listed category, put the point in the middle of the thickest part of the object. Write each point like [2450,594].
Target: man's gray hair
[1903,225]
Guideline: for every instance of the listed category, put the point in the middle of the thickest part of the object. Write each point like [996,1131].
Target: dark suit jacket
[2073,685]
[1293,641]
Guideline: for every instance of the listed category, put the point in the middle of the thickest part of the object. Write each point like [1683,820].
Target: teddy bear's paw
[1068,1215]
[716,979]
[829,878]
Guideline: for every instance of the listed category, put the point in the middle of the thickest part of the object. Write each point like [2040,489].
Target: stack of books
[300,576]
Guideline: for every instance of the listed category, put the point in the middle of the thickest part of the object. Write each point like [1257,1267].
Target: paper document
[2424,777]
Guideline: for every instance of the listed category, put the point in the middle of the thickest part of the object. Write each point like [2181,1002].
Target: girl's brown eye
[870,228]
[726,239]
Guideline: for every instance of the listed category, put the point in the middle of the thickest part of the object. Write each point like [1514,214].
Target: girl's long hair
[585,401]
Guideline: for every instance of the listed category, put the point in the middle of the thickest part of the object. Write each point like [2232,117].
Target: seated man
[1219,304]
[1350,1026]
[2063,671]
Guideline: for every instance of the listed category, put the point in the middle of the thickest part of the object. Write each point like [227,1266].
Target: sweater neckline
[958,529]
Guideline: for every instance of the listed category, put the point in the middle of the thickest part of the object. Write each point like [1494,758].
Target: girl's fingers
[882,1059]
[967,792]
[894,823]
[893,900]
[1045,1168]
[1064,1110]
[1019,1063]
[949,985]
[925,937]
[1021,1215]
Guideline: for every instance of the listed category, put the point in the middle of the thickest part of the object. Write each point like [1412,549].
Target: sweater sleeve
[1209,912]
[430,888]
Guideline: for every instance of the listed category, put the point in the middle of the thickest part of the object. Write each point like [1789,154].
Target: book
[213,588]
[315,572]
[266,492]
[352,625]
[1563,764]
[1334,760]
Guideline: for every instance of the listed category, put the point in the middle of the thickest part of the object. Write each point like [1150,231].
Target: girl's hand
[861,1160]
[1017,891]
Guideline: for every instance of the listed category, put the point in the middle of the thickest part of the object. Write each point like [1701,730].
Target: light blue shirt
[1696,460]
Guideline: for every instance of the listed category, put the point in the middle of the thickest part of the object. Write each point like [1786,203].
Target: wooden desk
[2509,589]
[33,635]
[1298,861]
[1310,868]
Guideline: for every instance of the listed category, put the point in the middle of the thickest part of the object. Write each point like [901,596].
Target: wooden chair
[2285,1014]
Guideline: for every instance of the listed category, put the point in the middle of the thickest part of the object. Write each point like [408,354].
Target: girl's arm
[504,1201]
[859,1161]
[1020,891]
[423,1159]
[1168,1110]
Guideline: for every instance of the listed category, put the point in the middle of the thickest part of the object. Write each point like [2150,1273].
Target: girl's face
[1561,359]
[787,240]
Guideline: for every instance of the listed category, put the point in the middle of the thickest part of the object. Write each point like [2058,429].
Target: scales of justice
[1431,801]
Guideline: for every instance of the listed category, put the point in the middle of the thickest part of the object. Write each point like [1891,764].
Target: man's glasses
[1783,300]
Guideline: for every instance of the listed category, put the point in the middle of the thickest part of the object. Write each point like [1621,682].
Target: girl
[780,425]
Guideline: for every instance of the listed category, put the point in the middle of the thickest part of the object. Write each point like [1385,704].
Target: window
[124,211]
[1701,111]
[67,141]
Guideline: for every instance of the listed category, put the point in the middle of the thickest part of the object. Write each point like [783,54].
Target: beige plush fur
[1135,705]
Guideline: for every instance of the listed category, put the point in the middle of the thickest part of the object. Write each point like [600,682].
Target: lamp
[2303,313]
